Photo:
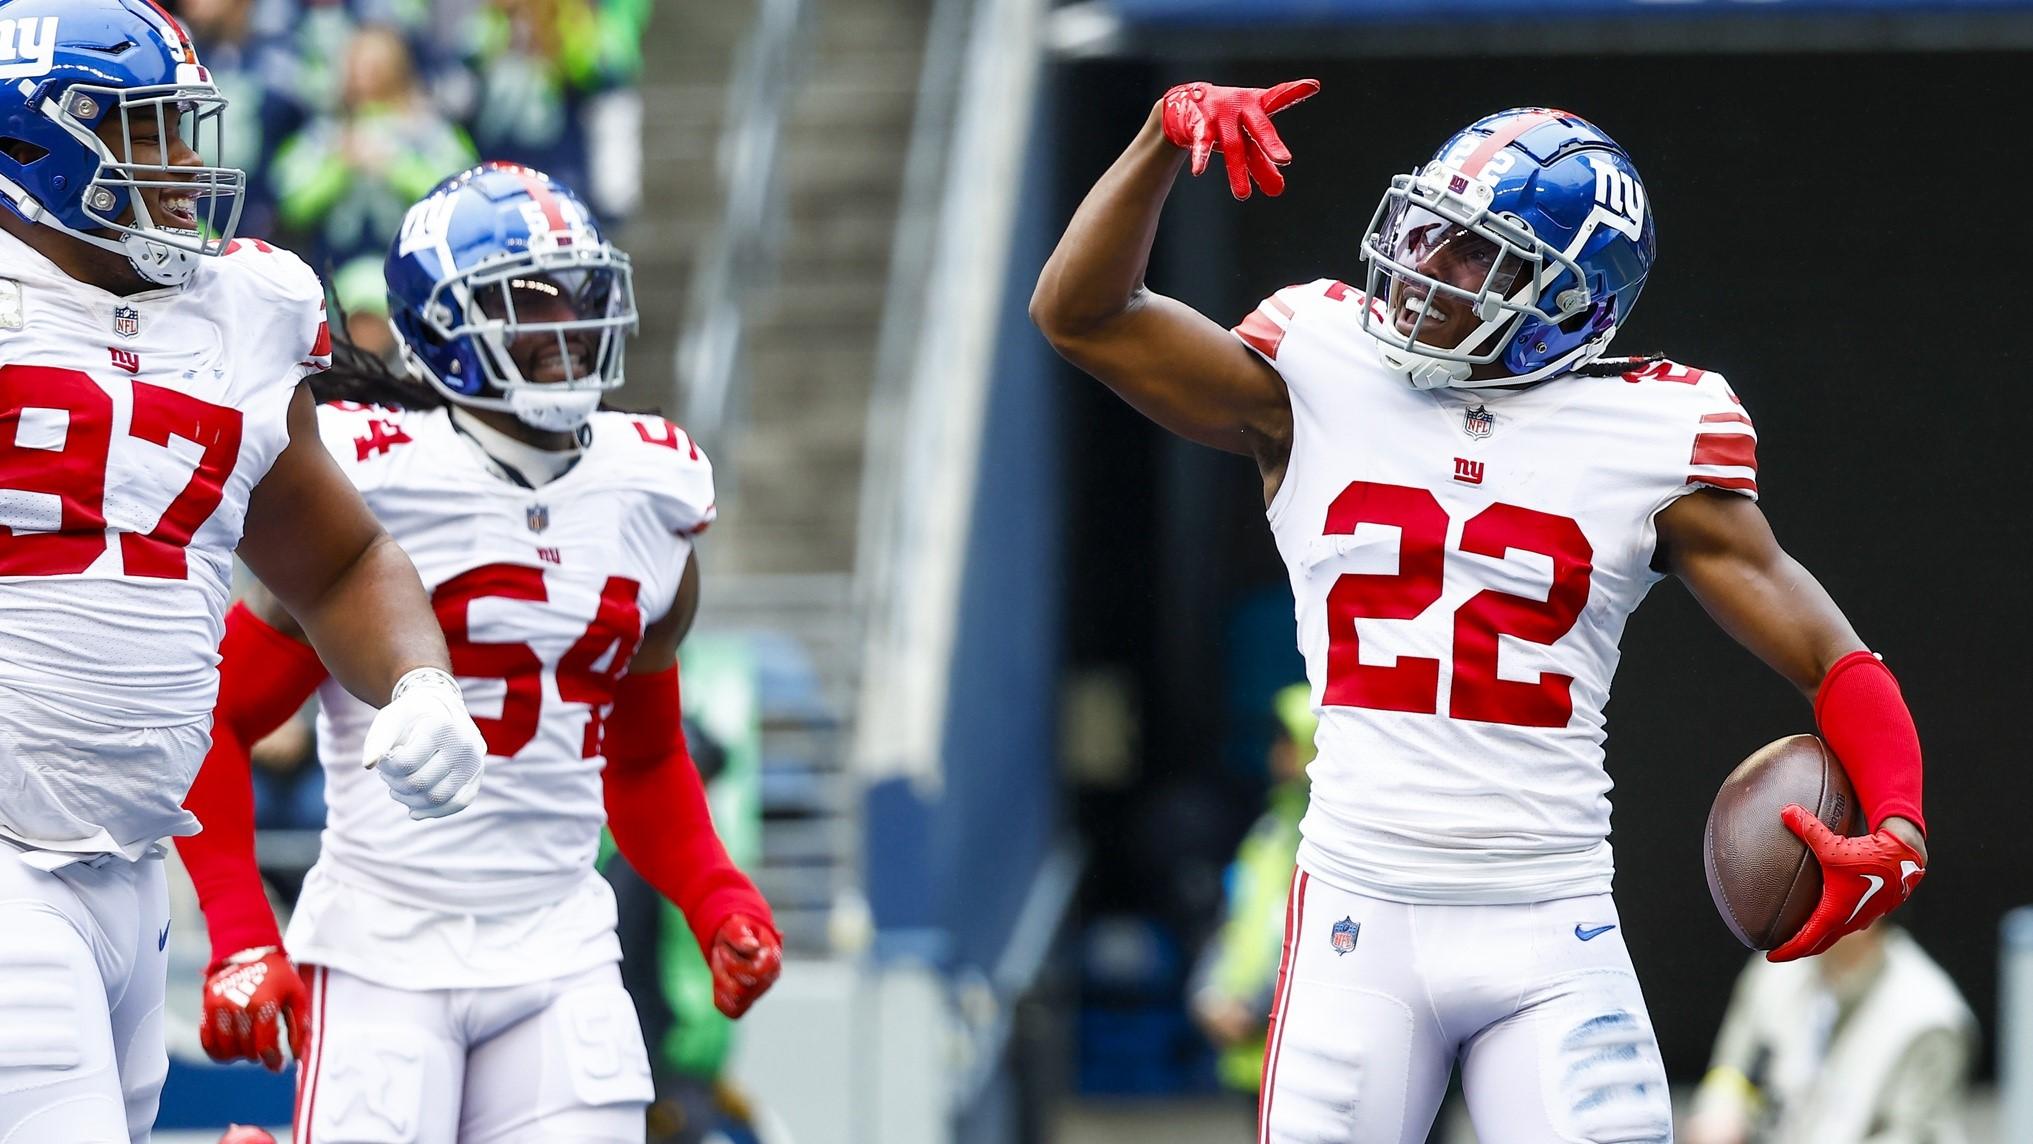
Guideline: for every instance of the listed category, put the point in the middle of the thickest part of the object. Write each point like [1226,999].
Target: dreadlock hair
[1617,367]
[361,375]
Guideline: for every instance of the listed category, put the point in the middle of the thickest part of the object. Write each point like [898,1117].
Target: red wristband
[1865,721]
[657,812]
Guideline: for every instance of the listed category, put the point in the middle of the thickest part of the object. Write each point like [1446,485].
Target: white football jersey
[132,431]
[544,595]
[1462,564]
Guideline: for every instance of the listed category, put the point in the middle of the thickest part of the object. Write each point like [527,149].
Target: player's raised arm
[358,598]
[1172,363]
[1722,548]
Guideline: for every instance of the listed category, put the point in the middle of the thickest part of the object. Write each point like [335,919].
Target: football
[1764,880]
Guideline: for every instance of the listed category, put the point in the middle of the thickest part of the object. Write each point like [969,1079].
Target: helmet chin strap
[557,412]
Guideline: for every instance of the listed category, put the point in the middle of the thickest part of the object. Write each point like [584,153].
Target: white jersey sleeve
[665,461]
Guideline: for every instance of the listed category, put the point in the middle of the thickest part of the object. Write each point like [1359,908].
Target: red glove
[242,1134]
[1235,121]
[746,958]
[1862,880]
[247,997]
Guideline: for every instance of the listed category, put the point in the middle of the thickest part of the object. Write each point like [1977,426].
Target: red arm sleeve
[1867,725]
[656,808]
[264,677]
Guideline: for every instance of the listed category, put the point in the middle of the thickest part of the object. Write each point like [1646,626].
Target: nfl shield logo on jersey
[539,518]
[1478,422]
[126,321]
[1343,935]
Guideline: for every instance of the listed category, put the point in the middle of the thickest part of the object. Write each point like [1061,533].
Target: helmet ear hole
[1578,322]
[22,151]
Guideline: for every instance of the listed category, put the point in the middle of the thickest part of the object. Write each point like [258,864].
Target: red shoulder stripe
[1738,449]
[1717,418]
[1262,333]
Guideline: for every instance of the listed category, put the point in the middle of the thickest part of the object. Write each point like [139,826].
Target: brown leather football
[1764,880]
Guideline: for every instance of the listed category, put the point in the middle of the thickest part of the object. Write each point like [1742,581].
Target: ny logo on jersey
[1467,472]
[381,436]
[550,556]
[125,359]
[31,41]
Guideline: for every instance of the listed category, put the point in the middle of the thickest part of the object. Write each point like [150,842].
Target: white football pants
[554,1062]
[1378,1000]
[81,984]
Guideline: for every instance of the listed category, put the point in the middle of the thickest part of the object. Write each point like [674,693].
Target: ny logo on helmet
[31,41]
[1621,199]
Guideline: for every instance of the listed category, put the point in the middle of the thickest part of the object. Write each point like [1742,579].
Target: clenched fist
[425,746]
[746,957]
[247,998]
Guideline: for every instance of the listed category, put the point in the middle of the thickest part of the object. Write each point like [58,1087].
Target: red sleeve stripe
[322,345]
[1749,483]
[1261,333]
[1719,418]
[1278,304]
[1733,449]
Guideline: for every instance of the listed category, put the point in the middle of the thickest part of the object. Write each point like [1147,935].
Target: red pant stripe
[1281,1000]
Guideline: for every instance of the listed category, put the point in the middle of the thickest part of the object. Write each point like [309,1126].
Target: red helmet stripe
[175,35]
[1503,137]
[553,214]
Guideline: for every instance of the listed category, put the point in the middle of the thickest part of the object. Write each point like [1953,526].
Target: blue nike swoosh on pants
[1591,934]
[162,939]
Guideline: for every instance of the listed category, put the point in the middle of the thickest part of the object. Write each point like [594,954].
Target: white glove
[425,746]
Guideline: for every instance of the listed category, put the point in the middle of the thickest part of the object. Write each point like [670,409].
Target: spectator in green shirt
[1238,971]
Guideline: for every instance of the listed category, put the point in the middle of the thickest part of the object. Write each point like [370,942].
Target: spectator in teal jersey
[551,84]
[347,178]
[258,72]
[1230,997]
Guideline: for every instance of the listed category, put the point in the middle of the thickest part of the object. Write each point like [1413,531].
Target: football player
[463,976]
[1471,501]
[151,421]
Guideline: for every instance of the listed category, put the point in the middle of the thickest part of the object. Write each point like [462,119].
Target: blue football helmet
[69,67]
[1556,212]
[494,254]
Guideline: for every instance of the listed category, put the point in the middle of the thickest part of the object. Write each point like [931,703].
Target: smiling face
[1452,255]
[155,141]
[547,355]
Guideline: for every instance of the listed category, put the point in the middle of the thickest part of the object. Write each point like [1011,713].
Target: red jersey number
[56,433]
[1412,683]
[586,674]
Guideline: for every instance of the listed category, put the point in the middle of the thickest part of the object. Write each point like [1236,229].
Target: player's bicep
[1180,369]
[660,640]
[1721,546]
[306,524]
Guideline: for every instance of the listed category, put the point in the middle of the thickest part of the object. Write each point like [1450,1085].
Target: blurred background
[988,670]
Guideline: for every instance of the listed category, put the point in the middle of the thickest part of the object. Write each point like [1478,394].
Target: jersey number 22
[1413,683]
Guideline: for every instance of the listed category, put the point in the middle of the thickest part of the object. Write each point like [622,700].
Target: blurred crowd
[344,112]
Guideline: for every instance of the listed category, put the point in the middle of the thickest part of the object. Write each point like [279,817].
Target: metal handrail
[923,440]
[742,249]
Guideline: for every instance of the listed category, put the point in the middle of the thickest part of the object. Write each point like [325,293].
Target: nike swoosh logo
[1908,870]
[1592,934]
[1877,884]
[162,939]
